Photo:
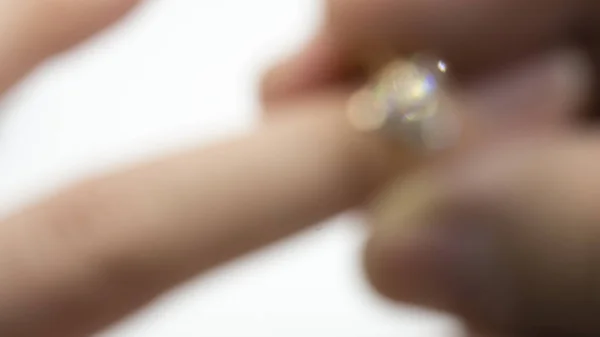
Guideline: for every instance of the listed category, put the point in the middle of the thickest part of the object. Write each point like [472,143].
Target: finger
[541,93]
[107,247]
[33,30]
[94,253]
[510,244]
[469,34]
[403,262]
[316,66]
[538,96]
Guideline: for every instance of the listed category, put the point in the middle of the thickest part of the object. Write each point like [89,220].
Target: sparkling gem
[442,66]
[407,101]
[410,92]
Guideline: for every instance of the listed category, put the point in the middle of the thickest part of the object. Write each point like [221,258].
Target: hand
[507,238]
[78,261]
[83,259]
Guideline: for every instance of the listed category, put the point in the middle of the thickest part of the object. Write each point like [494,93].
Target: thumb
[510,244]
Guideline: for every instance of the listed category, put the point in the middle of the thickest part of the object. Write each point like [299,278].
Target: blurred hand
[85,258]
[79,261]
[506,236]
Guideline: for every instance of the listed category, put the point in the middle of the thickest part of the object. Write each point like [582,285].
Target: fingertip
[390,272]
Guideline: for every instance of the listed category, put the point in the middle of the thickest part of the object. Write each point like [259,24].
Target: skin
[95,252]
[76,262]
[506,235]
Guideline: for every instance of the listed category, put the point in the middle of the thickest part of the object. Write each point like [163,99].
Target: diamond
[409,92]
[408,102]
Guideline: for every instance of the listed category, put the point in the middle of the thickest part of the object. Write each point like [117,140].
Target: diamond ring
[408,102]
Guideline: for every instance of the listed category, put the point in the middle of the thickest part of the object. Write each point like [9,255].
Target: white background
[184,73]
